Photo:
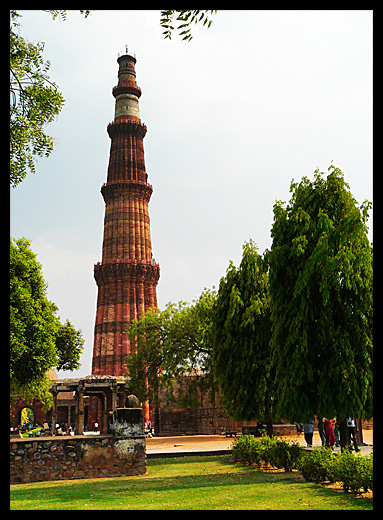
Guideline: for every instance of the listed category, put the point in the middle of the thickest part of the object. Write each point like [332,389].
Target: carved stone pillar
[54,410]
[79,410]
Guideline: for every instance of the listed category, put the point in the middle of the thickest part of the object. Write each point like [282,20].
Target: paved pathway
[193,444]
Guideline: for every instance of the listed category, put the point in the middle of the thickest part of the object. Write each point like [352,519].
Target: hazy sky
[233,116]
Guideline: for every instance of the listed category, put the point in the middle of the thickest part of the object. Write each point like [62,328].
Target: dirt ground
[193,443]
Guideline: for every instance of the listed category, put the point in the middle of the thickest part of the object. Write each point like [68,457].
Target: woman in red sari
[329,433]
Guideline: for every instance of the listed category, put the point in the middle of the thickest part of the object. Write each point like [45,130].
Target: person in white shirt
[352,433]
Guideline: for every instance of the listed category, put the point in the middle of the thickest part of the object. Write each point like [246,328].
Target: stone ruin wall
[121,453]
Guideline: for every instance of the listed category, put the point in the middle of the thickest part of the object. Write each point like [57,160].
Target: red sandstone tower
[127,276]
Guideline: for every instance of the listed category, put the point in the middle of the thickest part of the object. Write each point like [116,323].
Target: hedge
[355,472]
[266,450]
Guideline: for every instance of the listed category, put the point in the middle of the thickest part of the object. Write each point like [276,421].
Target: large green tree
[34,102]
[144,359]
[167,345]
[320,271]
[38,340]
[241,335]
[188,347]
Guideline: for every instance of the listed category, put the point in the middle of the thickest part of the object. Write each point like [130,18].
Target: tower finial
[126,49]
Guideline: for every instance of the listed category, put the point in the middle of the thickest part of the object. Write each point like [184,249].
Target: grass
[210,482]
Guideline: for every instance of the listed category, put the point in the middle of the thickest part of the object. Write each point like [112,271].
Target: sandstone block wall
[82,456]
[58,458]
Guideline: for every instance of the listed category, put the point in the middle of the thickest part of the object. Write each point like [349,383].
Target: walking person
[320,430]
[308,429]
[336,431]
[352,433]
[329,433]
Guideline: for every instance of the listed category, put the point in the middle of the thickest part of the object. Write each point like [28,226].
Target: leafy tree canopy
[241,355]
[169,344]
[183,19]
[34,102]
[38,341]
[321,301]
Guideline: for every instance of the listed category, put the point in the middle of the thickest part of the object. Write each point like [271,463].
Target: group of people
[33,430]
[36,429]
[148,428]
[65,429]
[329,432]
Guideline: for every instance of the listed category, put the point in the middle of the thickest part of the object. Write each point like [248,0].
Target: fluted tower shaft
[127,276]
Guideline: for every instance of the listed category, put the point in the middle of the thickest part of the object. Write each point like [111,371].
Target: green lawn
[211,482]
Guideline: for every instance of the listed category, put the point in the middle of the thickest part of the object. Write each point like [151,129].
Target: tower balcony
[126,89]
[126,271]
[136,189]
[125,125]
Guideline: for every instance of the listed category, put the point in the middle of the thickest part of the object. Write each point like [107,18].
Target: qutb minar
[127,276]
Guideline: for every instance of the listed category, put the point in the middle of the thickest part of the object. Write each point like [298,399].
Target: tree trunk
[359,432]
[269,428]
[343,433]
[157,426]
[156,406]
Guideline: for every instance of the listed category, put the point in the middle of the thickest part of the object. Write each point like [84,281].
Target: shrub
[314,464]
[332,467]
[317,465]
[287,455]
[246,449]
[368,469]
[268,450]
[355,472]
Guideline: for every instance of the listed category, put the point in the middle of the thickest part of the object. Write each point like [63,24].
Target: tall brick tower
[127,276]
